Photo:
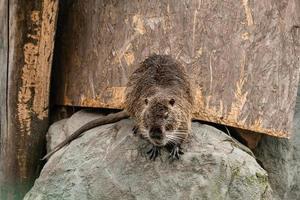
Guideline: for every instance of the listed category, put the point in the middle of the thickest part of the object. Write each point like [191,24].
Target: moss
[216,189]
[258,179]
[251,180]
[262,178]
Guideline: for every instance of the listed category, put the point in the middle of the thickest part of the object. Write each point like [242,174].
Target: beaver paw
[175,152]
[135,130]
[154,152]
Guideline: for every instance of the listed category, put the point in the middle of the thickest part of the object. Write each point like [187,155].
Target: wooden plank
[3,85]
[31,38]
[241,55]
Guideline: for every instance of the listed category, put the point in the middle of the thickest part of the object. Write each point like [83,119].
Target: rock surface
[281,158]
[109,162]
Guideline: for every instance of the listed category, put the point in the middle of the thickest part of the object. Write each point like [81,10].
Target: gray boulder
[281,159]
[109,162]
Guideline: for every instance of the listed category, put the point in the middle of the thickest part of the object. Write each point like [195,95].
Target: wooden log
[24,91]
[241,54]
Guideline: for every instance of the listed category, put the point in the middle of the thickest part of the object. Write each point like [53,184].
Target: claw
[154,152]
[175,152]
[135,130]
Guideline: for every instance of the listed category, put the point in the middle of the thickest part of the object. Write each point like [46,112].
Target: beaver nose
[156,133]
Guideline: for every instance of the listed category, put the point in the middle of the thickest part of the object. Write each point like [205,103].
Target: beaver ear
[146,101]
[172,102]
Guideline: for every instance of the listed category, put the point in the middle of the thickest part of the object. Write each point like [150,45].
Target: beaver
[159,97]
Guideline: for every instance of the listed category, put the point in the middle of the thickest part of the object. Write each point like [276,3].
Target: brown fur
[150,90]
[158,97]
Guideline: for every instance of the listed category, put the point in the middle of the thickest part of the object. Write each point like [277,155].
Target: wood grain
[241,54]
[24,120]
[4,150]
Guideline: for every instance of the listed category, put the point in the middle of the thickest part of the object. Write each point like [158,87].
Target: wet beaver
[159,98]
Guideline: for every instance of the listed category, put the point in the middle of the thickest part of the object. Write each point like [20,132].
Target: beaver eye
[172,102]
[146,101]
[168,127]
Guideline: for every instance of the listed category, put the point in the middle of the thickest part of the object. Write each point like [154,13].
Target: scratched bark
[25,119]
[241,54]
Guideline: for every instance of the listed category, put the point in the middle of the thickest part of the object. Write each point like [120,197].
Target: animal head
[163,121]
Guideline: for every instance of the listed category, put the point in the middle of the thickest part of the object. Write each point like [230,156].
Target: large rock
[109,162]
[280,158]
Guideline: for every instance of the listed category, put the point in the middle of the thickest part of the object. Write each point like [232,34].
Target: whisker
[180,135]
[175,138]
[181,130]
[172,142]
[178,139]
[171,139]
